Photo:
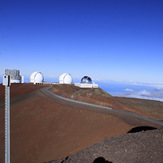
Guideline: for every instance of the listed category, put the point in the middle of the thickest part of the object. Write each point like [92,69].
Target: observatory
[36,78]
[14,75]
[65,78]
[86,79]
[86,82]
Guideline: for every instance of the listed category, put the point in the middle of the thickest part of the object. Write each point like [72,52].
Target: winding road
[46,91]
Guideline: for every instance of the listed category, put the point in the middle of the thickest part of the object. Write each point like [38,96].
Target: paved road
[50,94]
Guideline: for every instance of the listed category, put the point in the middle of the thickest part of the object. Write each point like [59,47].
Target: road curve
[46,91]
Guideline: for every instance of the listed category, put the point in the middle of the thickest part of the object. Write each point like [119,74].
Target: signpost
[6,83]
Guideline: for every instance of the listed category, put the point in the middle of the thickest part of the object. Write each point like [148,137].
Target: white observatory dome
[36,78]
[65,78]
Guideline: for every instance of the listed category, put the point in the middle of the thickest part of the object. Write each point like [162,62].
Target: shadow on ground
[101,160]
[141,128]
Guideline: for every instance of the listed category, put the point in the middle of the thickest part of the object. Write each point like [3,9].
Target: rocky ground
[144,146]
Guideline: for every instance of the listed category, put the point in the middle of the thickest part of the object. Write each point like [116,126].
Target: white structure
[22,81]
[14,75]
[86,82]
[36,78]
[65,78]
[84,85]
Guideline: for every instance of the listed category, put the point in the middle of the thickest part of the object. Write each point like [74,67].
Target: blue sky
[104,39]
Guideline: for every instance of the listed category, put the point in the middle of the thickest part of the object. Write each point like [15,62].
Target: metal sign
[6,80]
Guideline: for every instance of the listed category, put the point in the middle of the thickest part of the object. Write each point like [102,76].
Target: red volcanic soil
[44,129]
[95,96]
[154,108]
[18,90]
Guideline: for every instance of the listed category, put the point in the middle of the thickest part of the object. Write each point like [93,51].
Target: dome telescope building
[65,78]
[86,82]
[36,78]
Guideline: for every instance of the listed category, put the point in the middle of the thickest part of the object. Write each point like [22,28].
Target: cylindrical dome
[65,78]
[86,79]
[36,78]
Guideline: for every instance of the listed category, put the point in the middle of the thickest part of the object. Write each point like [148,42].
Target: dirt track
[44,129]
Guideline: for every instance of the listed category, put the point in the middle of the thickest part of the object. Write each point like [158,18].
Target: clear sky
[104,39]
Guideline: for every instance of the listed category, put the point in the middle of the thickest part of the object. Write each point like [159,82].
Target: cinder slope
[18,90]
[136,147]
[154,108]
[95,96]
[44,129]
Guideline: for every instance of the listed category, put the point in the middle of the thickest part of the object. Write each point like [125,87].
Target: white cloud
[129,90]
[156,85]
[143,93]
[159,86]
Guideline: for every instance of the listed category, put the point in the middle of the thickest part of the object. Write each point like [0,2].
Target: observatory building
[36,78]
[14,76]
[65,78]
[86,82]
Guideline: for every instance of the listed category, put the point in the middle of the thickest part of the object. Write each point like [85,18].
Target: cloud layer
[143,94]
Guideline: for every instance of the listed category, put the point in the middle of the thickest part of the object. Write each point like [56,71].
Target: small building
[36,78]
[86,82]
[14,75]
[65,78]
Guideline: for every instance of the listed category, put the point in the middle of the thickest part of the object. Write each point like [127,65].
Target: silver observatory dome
[86,79]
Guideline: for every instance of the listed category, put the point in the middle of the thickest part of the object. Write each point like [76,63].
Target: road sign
[6,80]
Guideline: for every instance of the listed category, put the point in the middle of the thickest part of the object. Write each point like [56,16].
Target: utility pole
[6,83]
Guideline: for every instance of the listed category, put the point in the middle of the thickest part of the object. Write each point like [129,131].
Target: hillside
[154,108]
[145,146]
[18,90]
[96,96]
[44,128]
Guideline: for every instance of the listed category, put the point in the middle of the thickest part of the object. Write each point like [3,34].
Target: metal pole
[7,124]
